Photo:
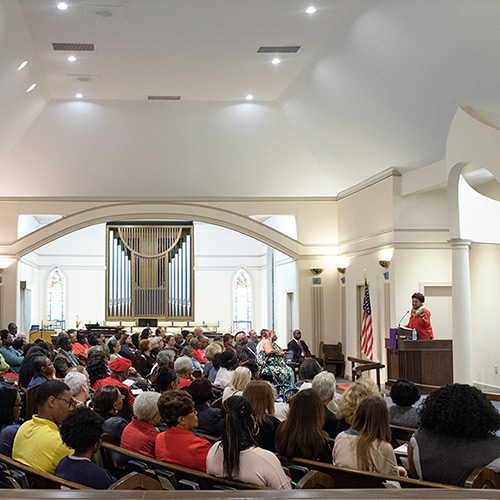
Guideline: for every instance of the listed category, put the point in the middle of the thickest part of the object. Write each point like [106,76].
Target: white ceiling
[375,84]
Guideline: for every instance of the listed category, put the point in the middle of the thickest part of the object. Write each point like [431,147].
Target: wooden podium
[425,362]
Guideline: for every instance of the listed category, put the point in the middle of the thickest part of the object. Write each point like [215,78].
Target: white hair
[324,384]
[75,380]
[165,356]
[182,364]
[241,378]
[146,405]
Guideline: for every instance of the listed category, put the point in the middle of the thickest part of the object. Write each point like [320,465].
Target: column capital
[459,243]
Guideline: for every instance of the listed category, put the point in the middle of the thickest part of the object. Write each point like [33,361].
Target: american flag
[367,330]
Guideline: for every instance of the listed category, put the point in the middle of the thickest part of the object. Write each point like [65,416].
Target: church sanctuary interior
[303,145]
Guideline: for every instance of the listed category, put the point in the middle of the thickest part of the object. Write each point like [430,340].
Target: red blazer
[422,325]
[139,436]
[179,446]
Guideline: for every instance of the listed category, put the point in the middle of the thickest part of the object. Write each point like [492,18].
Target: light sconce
[341,270]
[384,263]
[316,271]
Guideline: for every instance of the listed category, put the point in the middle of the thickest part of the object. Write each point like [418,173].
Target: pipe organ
[149,271]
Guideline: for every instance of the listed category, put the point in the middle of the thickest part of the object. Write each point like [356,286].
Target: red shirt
[139,436]
[114,381]
[179,446]
[198,355]
[183,382]
[422,325]
[81,349]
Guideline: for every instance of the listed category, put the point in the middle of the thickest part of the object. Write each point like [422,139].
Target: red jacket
[114,381]
[422,325]
[139,436]
[179,446]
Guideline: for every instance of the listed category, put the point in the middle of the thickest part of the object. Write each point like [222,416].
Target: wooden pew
[483,479]
[116,460]
[353,479]
[401,435]
[39,479]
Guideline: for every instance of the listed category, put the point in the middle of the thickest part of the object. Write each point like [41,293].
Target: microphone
[404,316]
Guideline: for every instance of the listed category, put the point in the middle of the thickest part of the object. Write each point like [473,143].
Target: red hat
[120,365]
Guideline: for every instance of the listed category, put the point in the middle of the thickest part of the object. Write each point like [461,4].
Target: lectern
[425,362]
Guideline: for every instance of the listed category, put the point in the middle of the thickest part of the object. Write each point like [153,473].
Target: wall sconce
[341,270]
[384,263]
[316,271]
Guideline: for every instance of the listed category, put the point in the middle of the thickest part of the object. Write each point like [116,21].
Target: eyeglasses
[69,402]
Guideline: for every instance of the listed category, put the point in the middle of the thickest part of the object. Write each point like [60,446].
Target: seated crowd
[155,394]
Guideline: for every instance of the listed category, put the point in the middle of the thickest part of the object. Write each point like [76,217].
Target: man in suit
[299,348]
[243,351]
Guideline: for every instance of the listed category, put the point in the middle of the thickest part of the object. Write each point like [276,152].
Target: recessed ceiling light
[71,58]
[62,5]
[276,60]
[78,96]
[22,65]
[31,87]
[249,97]
[310,10]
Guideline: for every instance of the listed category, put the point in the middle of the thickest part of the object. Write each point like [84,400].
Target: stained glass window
[242,294]
[56,291]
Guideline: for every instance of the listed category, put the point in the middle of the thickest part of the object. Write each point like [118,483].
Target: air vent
[164,97]
[74,47]
[290,49]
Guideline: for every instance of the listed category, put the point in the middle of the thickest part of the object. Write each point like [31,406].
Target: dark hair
[145,333]
[39,362]
[81,429]
[27,370]
[104,398]
[309,369]
[201,390]
[237,432]
[459,410]
[261,397]
[135,339]
[65,344]
[50,388]
[4,334]
[97,370]
[302,434]
[418,296]
[112,344]
[80,335]
[216,361]
[8,394]
[405,393]
[164,379]
[175,404]
[92,339]
[227,337]
[18,344]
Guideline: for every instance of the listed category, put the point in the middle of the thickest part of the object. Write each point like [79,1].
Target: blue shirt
[7,435]
[37,380]
[83,471]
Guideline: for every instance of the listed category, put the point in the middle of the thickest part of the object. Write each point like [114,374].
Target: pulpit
[425,362]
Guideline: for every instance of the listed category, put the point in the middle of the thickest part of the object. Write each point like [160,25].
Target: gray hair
[241,378]
[75,380]
[182,364]
[103,348]
[194,342]
[155,340]
[165,356]
[324,384]
[146,405]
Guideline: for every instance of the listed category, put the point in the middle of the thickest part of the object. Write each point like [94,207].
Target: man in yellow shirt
[38,442]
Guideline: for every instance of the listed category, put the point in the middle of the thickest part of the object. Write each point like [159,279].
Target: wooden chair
[483,479]
[363,366]
[332,358]
[315,480]
[136,481]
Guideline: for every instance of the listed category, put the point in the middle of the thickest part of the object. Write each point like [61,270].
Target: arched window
[56,295]
[242,301]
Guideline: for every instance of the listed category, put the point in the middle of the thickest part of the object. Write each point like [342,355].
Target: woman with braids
[237,455]
[367,444]
[456,435]
[301,434]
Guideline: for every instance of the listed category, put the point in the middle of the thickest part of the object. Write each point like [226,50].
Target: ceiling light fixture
[62,5]
[22,65]
[276,61]
[78,96]
[31,87]
[71,58]
[310,10]
[249,97]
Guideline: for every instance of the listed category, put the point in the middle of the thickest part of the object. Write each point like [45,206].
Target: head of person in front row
[82,430]
[404,394]
[10,410]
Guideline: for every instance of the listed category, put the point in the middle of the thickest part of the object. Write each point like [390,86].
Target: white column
[461,302]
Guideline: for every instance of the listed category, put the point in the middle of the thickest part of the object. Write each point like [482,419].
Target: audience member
[64,359]
[243,351]
[179,343]
[307,371]
[299,348]
[12,356]
[260,395]
[212,374]
[183,368]
[404,394]
[119,370]
[253,340]
[178,445]
[324,384]
[44,370]
[209,419]
[114,347]
[301,434]
[27,370]
[97,370]
[188,352]
[127,349]
[9,417]
[38,442]
[169,341]
[148,361]
[140,434]
[198,354]
[82,430]
[456,435]
[239,381]
[236,456]
[228,363]
[166,380]
[367,444]
[210,352]
[108,401]
[81,347]
[78,384]
[228,343]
